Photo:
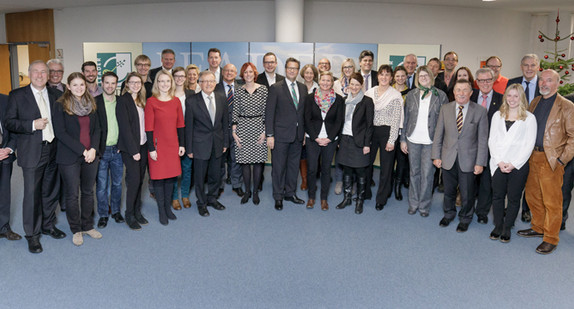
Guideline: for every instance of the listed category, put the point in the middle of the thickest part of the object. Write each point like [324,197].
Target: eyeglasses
[494,66]
[56,72]
[348,67]
[484,80]
[179,76]
[143,65]
[269,62]
[423,76]
[207,81]
[291,68]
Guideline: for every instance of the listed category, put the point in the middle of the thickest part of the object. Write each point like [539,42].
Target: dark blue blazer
[8,140]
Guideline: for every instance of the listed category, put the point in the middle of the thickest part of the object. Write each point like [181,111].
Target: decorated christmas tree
[557,60]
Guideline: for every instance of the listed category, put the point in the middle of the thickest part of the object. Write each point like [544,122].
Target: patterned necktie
[294,95]
[229,95]
[48,132]
[484,101]
[527,91]
[459,119]
[211,105]
[366,80]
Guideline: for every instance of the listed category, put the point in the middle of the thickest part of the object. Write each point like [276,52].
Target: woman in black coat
[132,145]
[355,144]
[77,129]
[324,114]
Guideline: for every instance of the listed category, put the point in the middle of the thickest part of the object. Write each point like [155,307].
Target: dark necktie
[229,95]
[459,119]
[527,91]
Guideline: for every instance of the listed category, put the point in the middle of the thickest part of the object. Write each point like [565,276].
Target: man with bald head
[410,64]
[227,88]
[553,149]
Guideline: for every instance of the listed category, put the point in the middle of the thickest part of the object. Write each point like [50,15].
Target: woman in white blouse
[388,110]
[511,140]
[422,109]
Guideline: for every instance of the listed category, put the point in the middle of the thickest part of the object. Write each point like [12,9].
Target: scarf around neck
[325,100]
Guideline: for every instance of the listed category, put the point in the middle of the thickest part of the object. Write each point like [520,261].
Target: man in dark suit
[450,62]
[167,63]
[491,100]
[56,68]
[434,65]
[111,168]
[207,138]
[227,88]
[410,64]
[530,66]
[285,132]
[29,116]
[214,60]
[366,59]
[7,157]
[269,77]
[460,148]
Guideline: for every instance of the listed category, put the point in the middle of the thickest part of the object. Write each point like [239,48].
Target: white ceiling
[567,6]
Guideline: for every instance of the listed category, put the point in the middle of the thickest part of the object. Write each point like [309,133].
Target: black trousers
[135,173]
[5,176]
[386,161]
[211,168]
[567,186]
[484,199]
[466,182]
[285,168]
[79,177]
[314,154]
[41,193]
[507,185]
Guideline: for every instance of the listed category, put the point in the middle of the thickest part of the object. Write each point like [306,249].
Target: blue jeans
[185,178]
[111,166]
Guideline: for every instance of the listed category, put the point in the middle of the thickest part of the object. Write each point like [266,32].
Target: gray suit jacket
[412,103]
[470,146]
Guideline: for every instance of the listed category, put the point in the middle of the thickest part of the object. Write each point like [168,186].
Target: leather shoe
[563,226]
[526,216]
[495,234]
[379,207]
[55,233]
[545,248]
[528,233]
[324,205]
[217,205]
[103,222]
[462,227]
[444,222]
[279,204]
[256,199]
[412,211]
[295,199]
[133,224]
[176,205]
[34,245]
[245,197]
[310,203]
[118,217]
[505,236]
[140,219]
[10,235]
[239,192]
[203,211]
[482,219]
[186,202]
[424,214]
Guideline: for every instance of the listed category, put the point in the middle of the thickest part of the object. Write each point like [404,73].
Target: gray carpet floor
[251,256]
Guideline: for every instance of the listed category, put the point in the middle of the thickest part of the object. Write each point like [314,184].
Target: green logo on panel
[119,63]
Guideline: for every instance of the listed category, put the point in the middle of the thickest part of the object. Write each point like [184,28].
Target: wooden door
[39,52]
[5,77]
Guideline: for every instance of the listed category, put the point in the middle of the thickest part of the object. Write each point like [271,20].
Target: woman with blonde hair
[164,125]
[511,141]
[341,85]
[191,82]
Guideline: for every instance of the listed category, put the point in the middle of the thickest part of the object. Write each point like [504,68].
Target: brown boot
[186,202]
[303,168]
[176,205]
[324,205]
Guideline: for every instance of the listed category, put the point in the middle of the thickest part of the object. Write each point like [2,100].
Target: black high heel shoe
[245,197]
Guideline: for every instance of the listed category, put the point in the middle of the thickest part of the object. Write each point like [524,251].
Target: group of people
[481,138]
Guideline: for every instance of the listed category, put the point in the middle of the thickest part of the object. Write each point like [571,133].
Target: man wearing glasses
[56,73]
[206,139]
[285,133]
[495,64]
[488,98]
[269,77]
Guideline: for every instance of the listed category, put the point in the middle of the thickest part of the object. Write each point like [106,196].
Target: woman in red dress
[164,129]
